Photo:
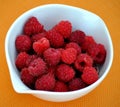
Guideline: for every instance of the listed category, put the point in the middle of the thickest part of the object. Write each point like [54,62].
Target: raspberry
[41,45]
[93,50]
[27,78]
[60,87]
[82,61]
[89,40]
[89,75]
[46,82]
[56,39]
[30,59]
[100,57]
[76,84]
[69,55]
[52,56]
[74,45]
[97,52]
[64,28]
[38,36]
[65,73]
[77,36]
[23,43]
[37,67]
[21,60]
[32,26]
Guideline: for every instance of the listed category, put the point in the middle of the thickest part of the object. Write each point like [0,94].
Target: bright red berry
[76,84]
[77,36]
[23,43]
[27,78]
[89,75]
[64,28]
[32,26]
[60,87]
[74,45]
[55,38]
[69,55]
[65,73]
[37,67]
[41,45]
[82,61]
[21,60]
[52,56]
[46,82]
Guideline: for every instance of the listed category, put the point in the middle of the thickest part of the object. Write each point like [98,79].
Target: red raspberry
[46,82]
[74,45]
[23,43]
[60,87]
[37,67]
[21,60]
[89,40]
[82,61]
[38,36]
[30,59]
[64,28]
[76,84]
[69,55]
[52,56]
[41,45]
[27,78]
[89,75]
[100,57]
[93,50]
[32,26]
[56,39]
[65,73]
[78,37]
[97,52]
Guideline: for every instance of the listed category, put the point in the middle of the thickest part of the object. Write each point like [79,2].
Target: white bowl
[49,15]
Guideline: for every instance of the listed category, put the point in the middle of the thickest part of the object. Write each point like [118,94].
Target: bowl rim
[49,92]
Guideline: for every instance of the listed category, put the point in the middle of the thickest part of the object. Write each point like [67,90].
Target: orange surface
[107,94]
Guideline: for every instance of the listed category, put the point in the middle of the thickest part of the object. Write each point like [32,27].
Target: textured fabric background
[107,94]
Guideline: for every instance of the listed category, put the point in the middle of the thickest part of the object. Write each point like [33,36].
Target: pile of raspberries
[58,59]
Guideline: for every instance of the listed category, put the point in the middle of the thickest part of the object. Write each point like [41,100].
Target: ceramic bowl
[49,15]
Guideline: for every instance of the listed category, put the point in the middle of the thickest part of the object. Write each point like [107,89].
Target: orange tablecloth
[107,94]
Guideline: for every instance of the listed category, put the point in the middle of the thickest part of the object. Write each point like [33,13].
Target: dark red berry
[52,56]
[65,73]
[37,67]
[23,43]
[77,36]
[21,59]
[76,84]
[89,75]
[32,26]
[60,87]
[45,82]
